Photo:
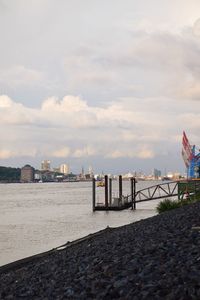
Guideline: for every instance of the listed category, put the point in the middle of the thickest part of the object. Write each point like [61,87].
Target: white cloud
[196,28]
[146,153]
[84,152]
[15,153]
[139,91]
[19,75]
[73,112]
[139,152]
[4,154]
[5,102]
[15,113]
[67,104]
[191,90]
[63,152]
[128,128]
[191,119]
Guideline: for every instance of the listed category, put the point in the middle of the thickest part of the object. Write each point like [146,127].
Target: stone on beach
[156,258]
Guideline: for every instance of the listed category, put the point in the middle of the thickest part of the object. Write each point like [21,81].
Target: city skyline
[47,173]
[108,84]
[64,168]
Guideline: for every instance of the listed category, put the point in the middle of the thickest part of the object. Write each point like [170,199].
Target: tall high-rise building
[46,165]
[27,174]
[64,168]
[156,173]
[82,172]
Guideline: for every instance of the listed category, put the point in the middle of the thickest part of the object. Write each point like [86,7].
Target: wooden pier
[116,203]
[182,189]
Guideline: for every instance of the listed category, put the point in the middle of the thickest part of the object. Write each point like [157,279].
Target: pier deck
[182,189]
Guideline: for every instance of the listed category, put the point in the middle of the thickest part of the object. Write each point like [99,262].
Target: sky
[110,84]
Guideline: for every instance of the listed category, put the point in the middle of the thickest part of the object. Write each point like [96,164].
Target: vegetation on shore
[168,204]
[8,174]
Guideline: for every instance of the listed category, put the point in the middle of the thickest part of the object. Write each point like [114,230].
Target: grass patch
[168,204]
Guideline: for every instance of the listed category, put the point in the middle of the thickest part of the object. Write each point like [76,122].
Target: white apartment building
[46,165]
[64,168]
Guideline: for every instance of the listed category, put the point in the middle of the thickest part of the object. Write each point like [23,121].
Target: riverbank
[156,258]
[37,217]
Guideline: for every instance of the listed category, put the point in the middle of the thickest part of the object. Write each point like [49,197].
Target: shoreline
[41,217]
[154,258]
[20,262]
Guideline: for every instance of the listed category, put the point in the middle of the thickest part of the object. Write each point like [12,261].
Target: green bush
[167,204]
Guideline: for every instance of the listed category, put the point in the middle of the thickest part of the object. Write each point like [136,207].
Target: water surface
[40,216]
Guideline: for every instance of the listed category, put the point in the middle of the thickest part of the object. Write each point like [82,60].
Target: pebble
[156,258]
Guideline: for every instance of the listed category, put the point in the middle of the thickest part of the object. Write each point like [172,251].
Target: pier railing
[159,191]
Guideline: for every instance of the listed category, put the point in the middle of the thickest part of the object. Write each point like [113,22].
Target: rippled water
[38,217]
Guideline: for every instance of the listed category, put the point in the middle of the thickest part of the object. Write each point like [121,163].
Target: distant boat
[165,178]
[100,183]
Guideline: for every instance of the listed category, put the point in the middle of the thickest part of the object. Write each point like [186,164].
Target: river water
[40,216]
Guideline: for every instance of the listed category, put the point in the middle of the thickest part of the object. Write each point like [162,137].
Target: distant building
[82,172]
[64,168]
[46,165]
[27,174]
[156,173]
[37,176]
[48,176]
[128,175]
[176,175]
[173,176]
[90,171]
[170,175]
[88,177]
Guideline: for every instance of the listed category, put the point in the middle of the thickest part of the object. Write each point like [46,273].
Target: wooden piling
[110,191]
[134,195]
[93,194]
[106,190]
[120,187]
[132,191]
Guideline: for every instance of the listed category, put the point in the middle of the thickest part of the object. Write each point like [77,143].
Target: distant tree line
[8,174]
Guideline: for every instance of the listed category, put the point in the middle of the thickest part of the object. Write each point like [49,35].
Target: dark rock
[157,258]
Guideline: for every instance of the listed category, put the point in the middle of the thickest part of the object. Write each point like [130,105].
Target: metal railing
[158,191]
[182,189]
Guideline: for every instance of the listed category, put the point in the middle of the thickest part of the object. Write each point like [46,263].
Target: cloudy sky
[110,83]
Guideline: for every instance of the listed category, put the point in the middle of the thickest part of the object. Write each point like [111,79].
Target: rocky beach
[156,258]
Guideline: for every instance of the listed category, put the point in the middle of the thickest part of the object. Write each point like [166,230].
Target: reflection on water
[38,217]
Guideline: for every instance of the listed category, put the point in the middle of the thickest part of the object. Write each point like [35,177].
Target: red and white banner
[186,150]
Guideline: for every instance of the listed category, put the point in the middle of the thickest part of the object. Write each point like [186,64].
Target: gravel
[156,258]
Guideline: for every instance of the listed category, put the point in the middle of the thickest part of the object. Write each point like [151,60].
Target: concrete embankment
[156,258]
